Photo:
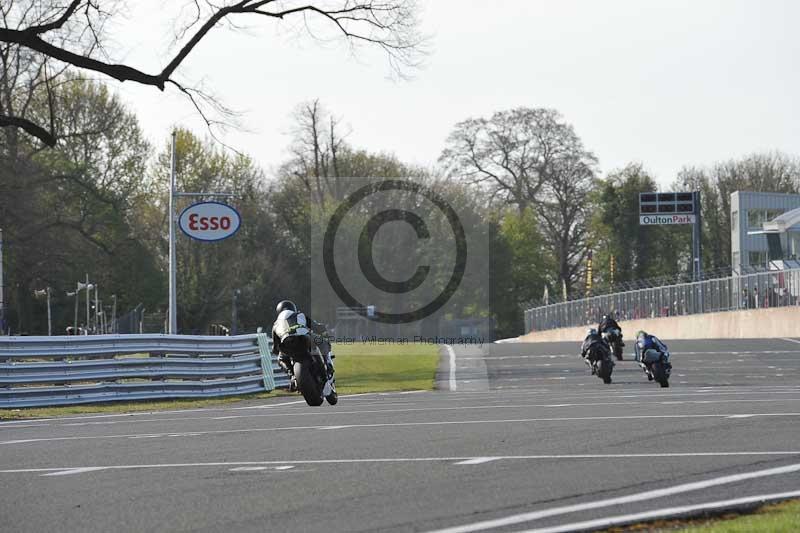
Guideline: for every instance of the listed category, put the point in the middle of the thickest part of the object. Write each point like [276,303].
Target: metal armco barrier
[47,371]
[773,288]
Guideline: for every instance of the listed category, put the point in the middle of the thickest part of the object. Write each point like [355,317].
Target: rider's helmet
[641,336]
[285,305]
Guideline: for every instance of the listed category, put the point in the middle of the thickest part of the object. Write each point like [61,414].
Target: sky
[665,83]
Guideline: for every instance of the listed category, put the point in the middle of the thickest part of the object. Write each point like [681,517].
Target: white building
[765,228]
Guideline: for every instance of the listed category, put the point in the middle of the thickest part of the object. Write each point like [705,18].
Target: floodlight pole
[49,315]
[88,303]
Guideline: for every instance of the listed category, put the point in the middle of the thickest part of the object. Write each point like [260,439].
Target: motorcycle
[309,371]
[613,337]
[599,360]
[657,366]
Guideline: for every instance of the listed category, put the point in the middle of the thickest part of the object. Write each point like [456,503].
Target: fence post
[264,349]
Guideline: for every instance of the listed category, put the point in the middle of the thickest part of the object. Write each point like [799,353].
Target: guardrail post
[265,350]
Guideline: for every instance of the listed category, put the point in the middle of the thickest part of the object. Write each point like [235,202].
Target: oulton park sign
[657,220]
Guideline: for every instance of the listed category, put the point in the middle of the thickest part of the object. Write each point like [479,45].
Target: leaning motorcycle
[309,373]
[613,337]
[657,366]
[599,360]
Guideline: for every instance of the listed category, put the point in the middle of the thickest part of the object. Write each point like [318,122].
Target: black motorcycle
[599,360]
[657,366]
[613,337]
[309,371]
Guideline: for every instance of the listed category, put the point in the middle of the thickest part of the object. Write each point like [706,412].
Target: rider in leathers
[593,341]
[608,322]
[303,329]
[644,342]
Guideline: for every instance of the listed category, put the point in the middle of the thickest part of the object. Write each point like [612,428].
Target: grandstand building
[765,231]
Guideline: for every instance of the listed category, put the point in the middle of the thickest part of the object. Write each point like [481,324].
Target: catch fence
[774,288]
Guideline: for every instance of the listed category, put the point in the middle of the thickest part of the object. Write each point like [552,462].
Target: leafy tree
[519,270]
[639,252]
[68,211]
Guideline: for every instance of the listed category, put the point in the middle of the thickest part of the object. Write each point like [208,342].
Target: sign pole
[173,317]
[697,235]
[172,322]
[2,302]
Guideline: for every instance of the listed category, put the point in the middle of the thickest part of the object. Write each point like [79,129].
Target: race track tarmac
[519,437]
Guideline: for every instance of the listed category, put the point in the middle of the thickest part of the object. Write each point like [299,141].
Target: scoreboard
[656,208]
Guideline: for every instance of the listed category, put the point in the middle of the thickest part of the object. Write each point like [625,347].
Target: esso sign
[209,221]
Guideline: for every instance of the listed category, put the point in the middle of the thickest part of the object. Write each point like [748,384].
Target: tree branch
[31,128]
[56,24]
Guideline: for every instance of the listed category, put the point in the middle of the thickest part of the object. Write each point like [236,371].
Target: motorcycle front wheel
[332,398]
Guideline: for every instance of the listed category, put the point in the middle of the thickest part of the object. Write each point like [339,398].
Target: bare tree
[530,158]
[73,33]
[510,154]
[563,213]
[316,147]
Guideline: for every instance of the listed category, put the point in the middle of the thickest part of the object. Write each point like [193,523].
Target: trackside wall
[748,324]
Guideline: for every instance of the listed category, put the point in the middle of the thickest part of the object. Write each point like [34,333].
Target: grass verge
[359,368]
[362,367]
[781,517]
[776,518]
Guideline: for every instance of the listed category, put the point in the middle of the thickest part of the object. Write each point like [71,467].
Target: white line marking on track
[542,457]
[402,424]
[602,523]
[477,461]
[791,340]
[71,471]
[651,495]
[754,391]
[452,382]
[260,468]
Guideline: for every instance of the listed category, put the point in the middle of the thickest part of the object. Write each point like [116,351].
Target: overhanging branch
[31,128]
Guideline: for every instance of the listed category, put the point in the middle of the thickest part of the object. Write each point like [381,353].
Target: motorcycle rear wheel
[660,374]
[306,382]
[606,366]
